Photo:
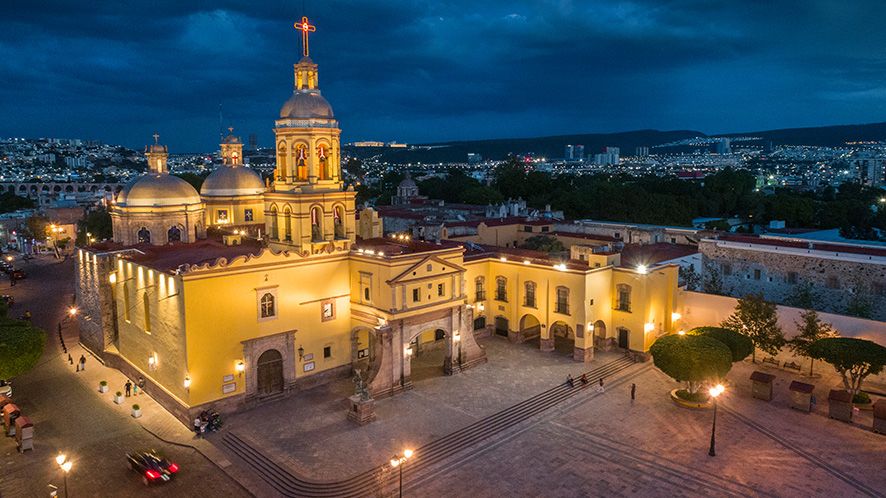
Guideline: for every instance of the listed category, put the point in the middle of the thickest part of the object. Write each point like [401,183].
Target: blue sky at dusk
[439,70]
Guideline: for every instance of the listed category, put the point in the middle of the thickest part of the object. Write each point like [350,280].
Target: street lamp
[714,392]
[65,465]
[400,461]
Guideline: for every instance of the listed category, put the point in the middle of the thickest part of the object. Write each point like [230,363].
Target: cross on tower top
[156,138]
[305,27]
[231,129]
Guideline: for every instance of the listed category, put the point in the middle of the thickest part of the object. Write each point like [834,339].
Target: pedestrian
[600,386]
[570,381]
[12,279]
[82,363]
[141,384]
[633,391]
[128,388]
[198,424]
[135,389]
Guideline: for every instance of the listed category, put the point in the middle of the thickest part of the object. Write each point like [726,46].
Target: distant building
[871,168]
[609,156]
[642,151]
[369,143]
[253,141]
[569,153]
[474,158]
[724,146]
[579,153]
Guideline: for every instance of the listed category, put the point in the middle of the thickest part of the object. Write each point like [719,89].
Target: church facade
[289,297]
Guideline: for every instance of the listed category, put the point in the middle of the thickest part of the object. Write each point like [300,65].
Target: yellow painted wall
[222,310]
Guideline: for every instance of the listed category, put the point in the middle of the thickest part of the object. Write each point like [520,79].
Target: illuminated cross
[305,28]
[156,138]
[231,130]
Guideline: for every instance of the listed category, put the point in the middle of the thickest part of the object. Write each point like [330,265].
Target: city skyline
[439,72]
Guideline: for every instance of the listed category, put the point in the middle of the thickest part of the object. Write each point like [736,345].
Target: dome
[232,180]
[407,182]
[158,189]
[231,139]
[306,105]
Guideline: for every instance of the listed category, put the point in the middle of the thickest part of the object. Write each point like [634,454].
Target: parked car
[9,300]
[19,274]
[6,388]
[152,466]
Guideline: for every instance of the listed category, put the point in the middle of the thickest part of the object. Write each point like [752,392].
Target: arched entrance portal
[429,354]
[530,327]
[564,338]
[270,372]
[600,340]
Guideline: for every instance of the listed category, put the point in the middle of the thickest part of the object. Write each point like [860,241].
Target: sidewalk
[154,418]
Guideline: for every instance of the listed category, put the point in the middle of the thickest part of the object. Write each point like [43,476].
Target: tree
[38,227]
[692,359]
[810,328]
[98,223]
[757,319]
[739,345]
[690,278]
[20,347]
[854,359]
[544,243]
[713,283]
[803,296]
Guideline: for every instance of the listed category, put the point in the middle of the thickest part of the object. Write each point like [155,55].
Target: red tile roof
[169,258]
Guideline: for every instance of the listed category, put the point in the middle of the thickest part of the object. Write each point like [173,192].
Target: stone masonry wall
[833,282]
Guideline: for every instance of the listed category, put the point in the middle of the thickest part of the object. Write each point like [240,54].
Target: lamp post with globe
[715,392]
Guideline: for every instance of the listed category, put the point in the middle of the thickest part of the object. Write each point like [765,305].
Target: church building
[288,297]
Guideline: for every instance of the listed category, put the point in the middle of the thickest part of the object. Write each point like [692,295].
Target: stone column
[584,355]
[546,344]
[385,369]
[468,353]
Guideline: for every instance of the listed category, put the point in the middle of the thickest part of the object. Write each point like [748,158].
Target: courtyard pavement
[70,415]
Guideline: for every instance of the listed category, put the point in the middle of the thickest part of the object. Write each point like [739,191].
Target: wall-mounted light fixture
[240,367]
[301,352]
[187,382]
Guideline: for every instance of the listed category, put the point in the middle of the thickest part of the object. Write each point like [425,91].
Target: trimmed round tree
[693,359]
[20,347]
[854,359]
[739,345]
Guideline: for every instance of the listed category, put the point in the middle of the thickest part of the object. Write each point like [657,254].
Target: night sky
[434,70]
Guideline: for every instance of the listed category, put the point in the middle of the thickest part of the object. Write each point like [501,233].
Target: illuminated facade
[234,193]
[225,324]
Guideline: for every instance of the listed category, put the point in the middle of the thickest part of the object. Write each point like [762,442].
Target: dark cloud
[436,70]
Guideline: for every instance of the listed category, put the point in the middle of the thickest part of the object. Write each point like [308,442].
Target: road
[69,417]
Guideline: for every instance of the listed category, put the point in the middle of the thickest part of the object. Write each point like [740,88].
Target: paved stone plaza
[591,445]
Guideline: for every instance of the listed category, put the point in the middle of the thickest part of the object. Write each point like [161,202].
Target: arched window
[501,289]
[562,300]
[301,162]
[268,308]
[147,302]
[480,288]
[529,295]
[338,222]
[316,227]
[287,224]
[282,161]
[322,158]
[624,297]
[272,224]
[144,236]
[174,234]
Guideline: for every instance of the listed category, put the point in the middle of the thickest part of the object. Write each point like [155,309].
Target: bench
[793,366]
[771,360]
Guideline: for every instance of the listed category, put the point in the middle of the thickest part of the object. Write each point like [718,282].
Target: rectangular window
[545,229]
[879,289]
[624,298]
[673,240]
[247,215]
[616,235]
[726,268]
[833,283]
[792,277]
[757,274]
[327,352]
[530,295]
[480,289]
[222,215]
[562,300]
[501,291]
[527,228]
[416,295]
[327,310]
[267,304]
[441,289]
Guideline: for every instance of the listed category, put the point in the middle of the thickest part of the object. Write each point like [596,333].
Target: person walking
[633,391]
[81,365]
[141,384]
[128,388]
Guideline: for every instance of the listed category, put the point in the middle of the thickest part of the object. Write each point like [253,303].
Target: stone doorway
[270,373]
[501,326]
[564,338]
[624,338]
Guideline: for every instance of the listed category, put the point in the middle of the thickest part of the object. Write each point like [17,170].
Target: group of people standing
[130,389]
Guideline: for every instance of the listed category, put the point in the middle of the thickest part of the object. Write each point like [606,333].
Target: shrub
[854,359]
[136,407]
[103,383]
[861,399]
[20,347]
[740,345]
[697,397]
[118,394]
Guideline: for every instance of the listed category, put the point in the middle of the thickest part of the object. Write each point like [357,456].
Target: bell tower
[232,149]
[307,209]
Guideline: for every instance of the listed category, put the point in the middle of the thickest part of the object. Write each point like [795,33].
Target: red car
[152,466]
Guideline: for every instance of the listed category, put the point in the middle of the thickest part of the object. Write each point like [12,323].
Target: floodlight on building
[642,269]
[649,327]
[675,316]
[240,367]
[187,382]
